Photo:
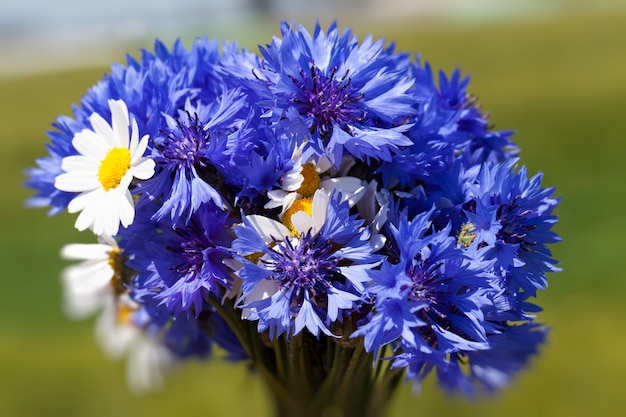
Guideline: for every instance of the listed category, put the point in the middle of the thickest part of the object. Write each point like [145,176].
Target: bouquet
[324,211]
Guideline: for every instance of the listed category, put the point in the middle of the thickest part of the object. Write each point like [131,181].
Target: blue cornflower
[191,153]
[349,96]
[305,277]
[450,111]
[449,125]
[523,212]
[178,269]
[432,298]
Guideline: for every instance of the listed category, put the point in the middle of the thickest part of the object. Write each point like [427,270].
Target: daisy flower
[122,334]
[310,175]
[99,277]
[101,173]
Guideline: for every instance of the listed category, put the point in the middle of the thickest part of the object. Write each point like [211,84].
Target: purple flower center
[185,145]
[327,100]
[515,224]
[307,266]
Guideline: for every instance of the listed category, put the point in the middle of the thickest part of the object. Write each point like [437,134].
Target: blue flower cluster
[325,186]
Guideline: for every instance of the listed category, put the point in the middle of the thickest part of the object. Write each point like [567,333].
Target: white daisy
[89,285]
[306,177]
[147,358]
[108,161]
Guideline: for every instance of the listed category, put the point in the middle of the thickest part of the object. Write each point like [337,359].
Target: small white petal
[144,169]
[119,123]
[351,188]
[139,149]
[81,165]
[76,183]
[276,198]
[268,228]
[89,144]
[85,199]
[104,131]
[79,251]
[126,209]
[319,209]
[302,222]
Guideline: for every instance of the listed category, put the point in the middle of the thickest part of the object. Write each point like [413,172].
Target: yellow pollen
[303,204]
[311,182]
[465,237]
[113,167]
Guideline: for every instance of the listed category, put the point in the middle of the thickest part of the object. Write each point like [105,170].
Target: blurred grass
[559,82]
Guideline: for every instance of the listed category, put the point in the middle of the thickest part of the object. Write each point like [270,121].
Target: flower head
[304,281]
[190,155]
[178,269]
[108,161]
[349,96]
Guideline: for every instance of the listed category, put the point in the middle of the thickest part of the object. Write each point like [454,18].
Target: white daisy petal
[79,165]
[302,222]
[126,209]
[120,123]
[89,144]
[84,199]
[144,169]
[320,206]
[75,183]
[88,251]
[134,141]
[268,228]
[139,148]
[103,130]
[351,188]
[276,198]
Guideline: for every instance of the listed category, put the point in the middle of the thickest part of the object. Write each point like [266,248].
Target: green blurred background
[557,77]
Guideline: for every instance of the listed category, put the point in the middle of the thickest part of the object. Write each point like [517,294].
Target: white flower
[108,161]
[306,177]
[147,358]
[88,286]
[96,285]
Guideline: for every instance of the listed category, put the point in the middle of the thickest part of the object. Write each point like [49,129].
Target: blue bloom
[443,308]
[305,281]
[449,125]
[524,212]
[191,154]
[349,96]
[178,269]
[432,298]
[259,169]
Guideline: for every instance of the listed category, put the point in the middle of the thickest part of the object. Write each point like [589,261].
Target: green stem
[250,344]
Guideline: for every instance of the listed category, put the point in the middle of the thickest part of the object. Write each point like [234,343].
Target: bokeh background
[553,70]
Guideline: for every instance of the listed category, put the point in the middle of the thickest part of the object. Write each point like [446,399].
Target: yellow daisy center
[311,182]
[113,167]
[124,314]
[303,204]
[121,274]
